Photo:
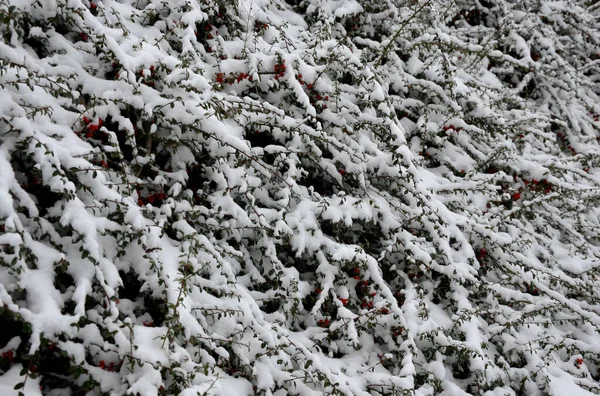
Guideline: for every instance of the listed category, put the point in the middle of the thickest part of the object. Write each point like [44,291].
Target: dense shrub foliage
[391,197]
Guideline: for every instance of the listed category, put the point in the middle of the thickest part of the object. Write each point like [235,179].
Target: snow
[562,383]
[11,378]
[329,197]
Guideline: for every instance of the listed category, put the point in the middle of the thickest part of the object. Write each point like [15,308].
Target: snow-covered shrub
[299,197]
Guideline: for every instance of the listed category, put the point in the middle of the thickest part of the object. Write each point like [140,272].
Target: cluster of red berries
[366,303]
[260,26]
[323,322]
[313,95]
[353,23]
[110,367]
[344,301]
[397,331]
[534,291]
[451,128]
[539,185]
[364,288]
[115,70]
[101,163]
[9,355]
[32,180]
[399,296]
[562,140]
[207,28]
[414,275]
[578,362]
[90,129]
[362,284]
[152,198]
[481,254]
[148,324]
[148,80]
[279,69]
[233,78]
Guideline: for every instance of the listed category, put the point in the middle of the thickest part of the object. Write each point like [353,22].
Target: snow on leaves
[299,197]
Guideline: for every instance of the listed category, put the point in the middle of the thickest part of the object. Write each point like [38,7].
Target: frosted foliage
[299,197]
